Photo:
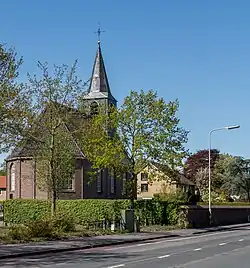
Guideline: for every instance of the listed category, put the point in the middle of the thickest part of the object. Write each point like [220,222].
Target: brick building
[21,167]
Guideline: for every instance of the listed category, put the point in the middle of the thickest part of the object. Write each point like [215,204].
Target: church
[21,167]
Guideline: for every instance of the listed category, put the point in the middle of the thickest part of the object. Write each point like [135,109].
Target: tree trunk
[133,191]
[248,196]
[53,203]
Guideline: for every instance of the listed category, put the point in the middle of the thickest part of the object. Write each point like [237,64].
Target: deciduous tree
[10,93]
[143,130]
[238,182]
[199,160]
[48,124]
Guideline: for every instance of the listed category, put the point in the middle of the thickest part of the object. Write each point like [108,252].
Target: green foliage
[143,130]
[83,212]
[215,197]
[18,211]
[87,212]
[172,196]
[47,123]
[18,232]
[3,172]
[155,211]
[41,228]
[11,98]
[238,182]
[221,171]
[63,222]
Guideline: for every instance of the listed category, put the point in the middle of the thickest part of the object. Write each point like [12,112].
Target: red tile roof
[3,182]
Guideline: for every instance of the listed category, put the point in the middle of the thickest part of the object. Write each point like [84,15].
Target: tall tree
[197,161]
[47,125]
[238,182]
[143,130]
[220,173]
[10,94]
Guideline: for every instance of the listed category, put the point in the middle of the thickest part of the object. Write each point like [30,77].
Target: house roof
[181,179]
[3,182]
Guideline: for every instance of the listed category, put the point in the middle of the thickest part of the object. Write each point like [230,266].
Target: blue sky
[197,51]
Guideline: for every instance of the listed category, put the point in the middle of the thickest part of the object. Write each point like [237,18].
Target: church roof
[99,85]
[28,147]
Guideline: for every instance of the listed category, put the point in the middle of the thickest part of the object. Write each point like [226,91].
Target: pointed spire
[99,89]
[99,80]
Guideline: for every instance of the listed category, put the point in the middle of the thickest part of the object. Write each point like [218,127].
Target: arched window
[94,108]
[12,178]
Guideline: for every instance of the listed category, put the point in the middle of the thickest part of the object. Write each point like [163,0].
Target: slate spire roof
[99,85]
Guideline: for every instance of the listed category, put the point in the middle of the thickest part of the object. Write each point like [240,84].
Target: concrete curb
[123,242]
[48,251]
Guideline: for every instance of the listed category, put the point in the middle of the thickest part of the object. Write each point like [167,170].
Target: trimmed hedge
[89,211]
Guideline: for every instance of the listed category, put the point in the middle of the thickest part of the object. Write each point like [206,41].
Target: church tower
[99,91]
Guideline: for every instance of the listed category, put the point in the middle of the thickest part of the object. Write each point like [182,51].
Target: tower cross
[98,32]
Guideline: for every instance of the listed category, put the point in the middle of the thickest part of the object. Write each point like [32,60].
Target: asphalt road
[227,249]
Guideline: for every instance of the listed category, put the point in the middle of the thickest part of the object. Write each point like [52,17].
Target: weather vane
[98,32]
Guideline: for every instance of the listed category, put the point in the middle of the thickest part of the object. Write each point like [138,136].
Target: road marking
[116,266]
[164,256]
[241,240]
[170,240]
[197,249]
[222,244]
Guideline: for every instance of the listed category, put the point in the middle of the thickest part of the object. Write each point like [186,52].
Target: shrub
[20,233]
[63,222]
[182,221]
[41,228]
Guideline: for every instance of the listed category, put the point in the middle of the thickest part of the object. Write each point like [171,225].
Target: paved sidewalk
[19,250]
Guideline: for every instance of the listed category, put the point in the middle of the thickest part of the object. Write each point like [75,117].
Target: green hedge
[88,211]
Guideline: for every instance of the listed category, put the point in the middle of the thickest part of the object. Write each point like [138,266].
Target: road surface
[227,249]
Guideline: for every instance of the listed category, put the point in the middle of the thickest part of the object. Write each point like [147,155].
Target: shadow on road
[89,259]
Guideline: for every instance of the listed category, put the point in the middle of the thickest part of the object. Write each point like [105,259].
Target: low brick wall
[198,216]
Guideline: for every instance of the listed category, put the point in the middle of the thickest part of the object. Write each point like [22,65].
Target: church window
[94,108]
[124,181]
[12,178]
[112,181]
[69,184]
[99,181]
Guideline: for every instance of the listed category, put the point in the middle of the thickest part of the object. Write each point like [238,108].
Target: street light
[209,166]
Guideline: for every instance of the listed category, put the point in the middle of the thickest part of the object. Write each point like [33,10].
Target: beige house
[153,181]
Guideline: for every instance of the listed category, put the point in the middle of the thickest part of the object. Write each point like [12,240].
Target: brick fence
[198,216]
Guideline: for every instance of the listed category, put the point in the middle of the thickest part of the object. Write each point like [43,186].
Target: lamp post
[209,167]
